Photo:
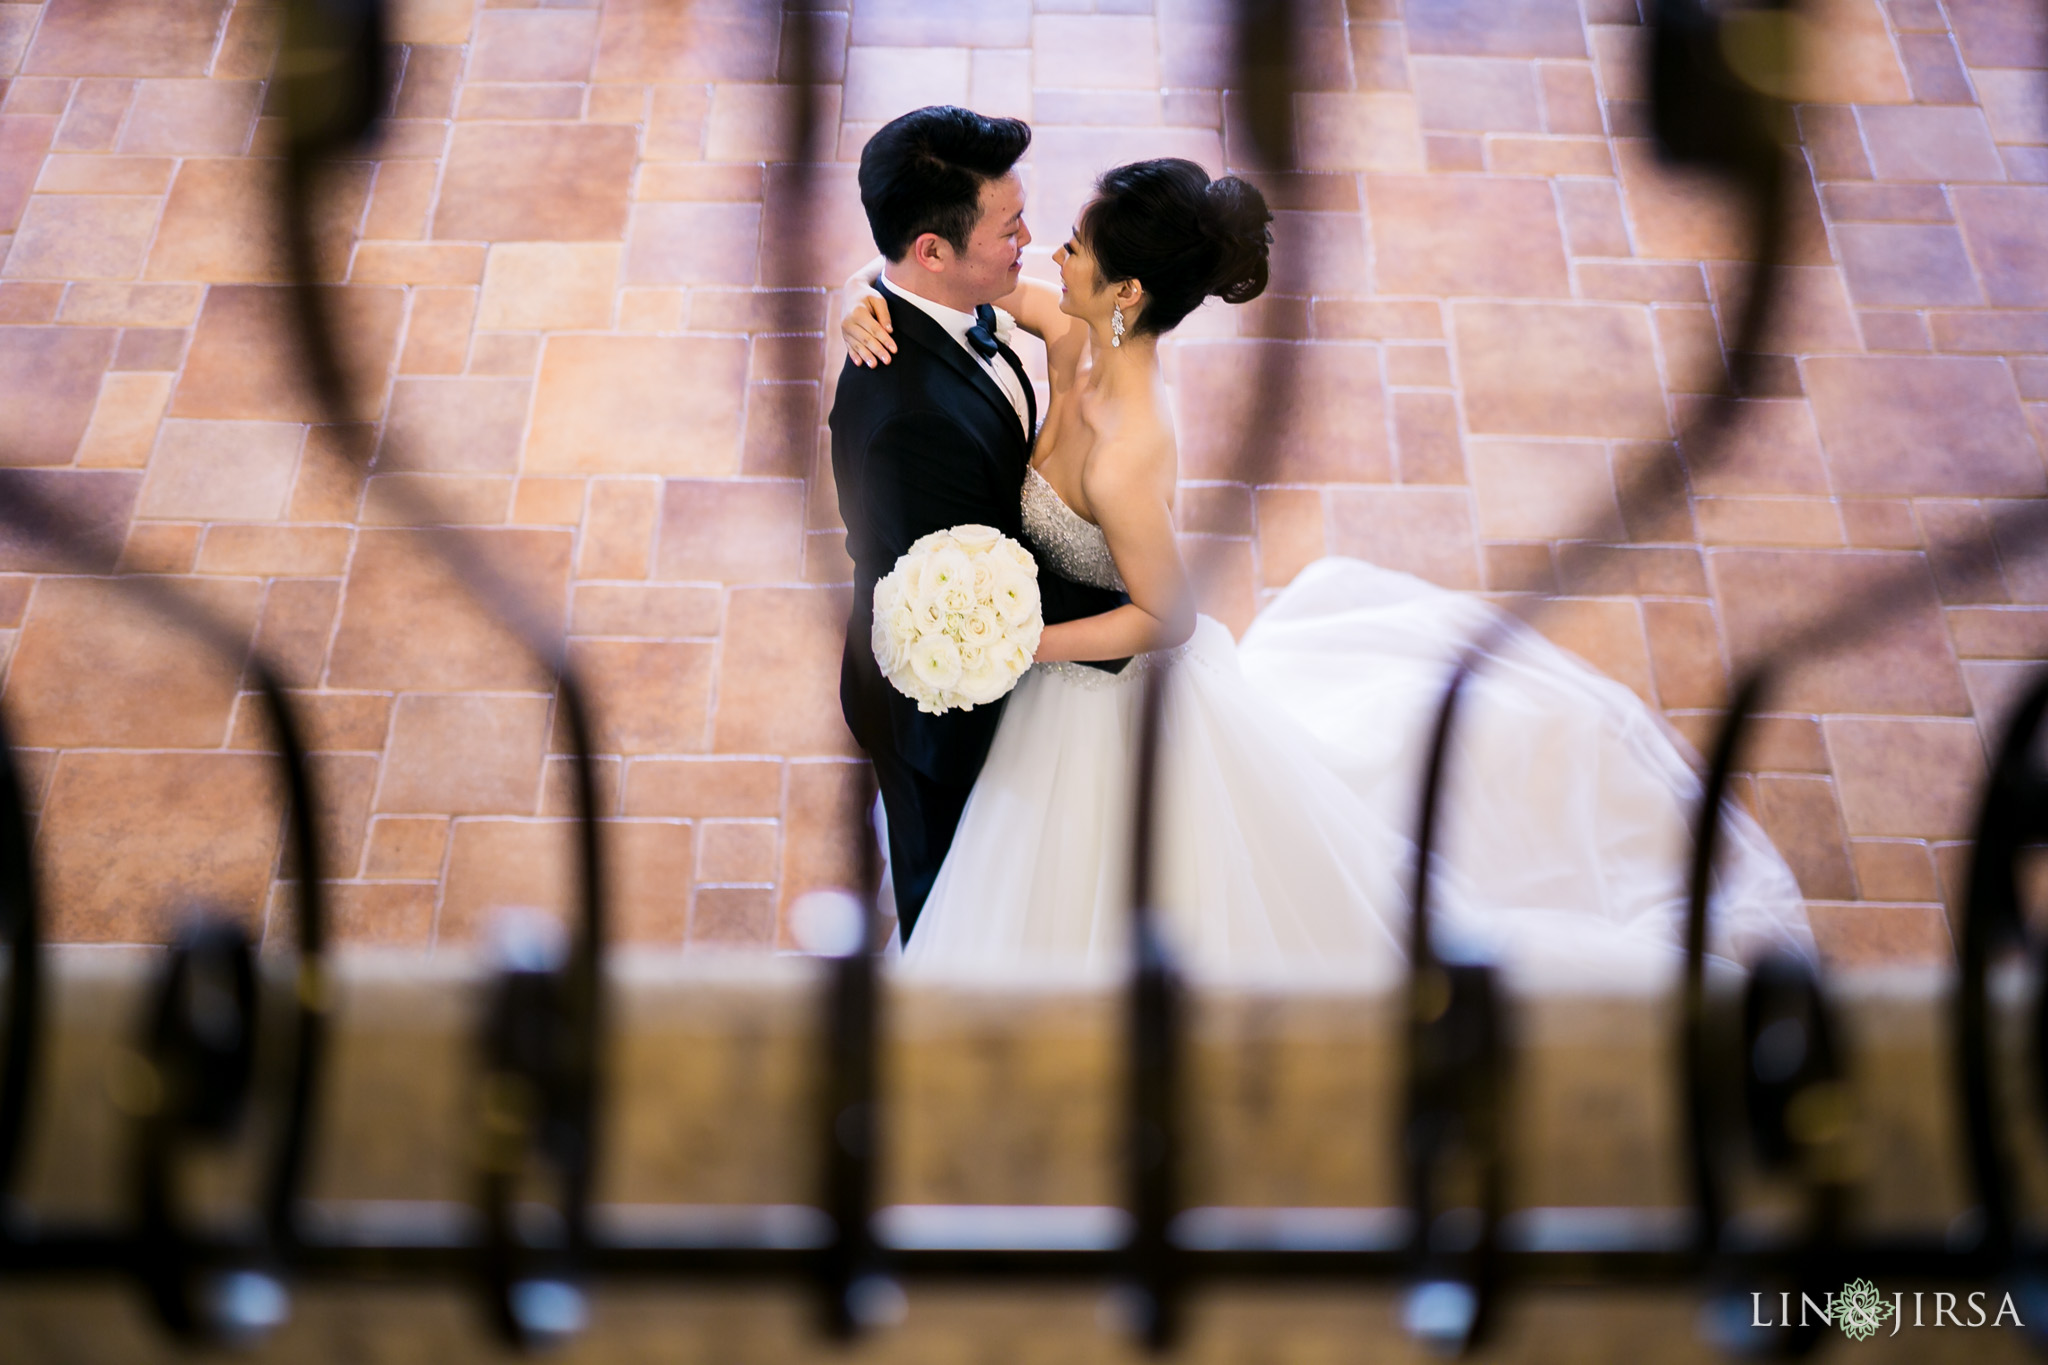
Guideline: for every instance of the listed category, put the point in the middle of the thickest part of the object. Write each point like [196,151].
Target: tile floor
[583,289]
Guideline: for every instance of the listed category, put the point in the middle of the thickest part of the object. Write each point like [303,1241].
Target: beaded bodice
[1067,541]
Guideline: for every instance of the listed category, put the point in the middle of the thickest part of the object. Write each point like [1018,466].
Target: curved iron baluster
[1457,1072]
[1774,1053]
[2014,813]
[1702,1157]
[335,91]
[21,922]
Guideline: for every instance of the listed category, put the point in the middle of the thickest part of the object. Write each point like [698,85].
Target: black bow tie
[982,335]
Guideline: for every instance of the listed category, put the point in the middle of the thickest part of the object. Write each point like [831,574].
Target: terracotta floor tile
[99,502]
[505,355]
[92,237]
[686,243]
[1332,429]
[1537,491]
[131,843]
[1991,32]
[552,102]
[2012,106]
[92,668]
[427,90]
[642,405]
[401,847]
[28,301]
[654,868]
[124,421]
[496,866]
[778,685]
[996,23]
[1423,531]
[435,500]
[1893,424]
[1768,521]
[564,183]
[547,502]
[1464,94]
[451,425]
[1933,70]
[221,471]
[1558,370]
[23,141]
[1920,142]
[733,917]
[1800,816]
[298,618]
[88,174]
[999,84]
[704,786]
[733,532]
[1908,668]
[782,429]
[533,45]
[191,118]
[762,123]
[464,755]
[1906,264]
[820,848]
[819,245]
[1857,935]
[49,385]
[437,333]
[1426,438]
[2008,241]
[1641,281]
[405,623]
[388,914]
[1096,51]
[1907,778]
[1591,213]
[618,529]
[1372,131]
[1854,62]
[654,40]
[135,38]
[699,181]
[160,547]
[220,224]
[1517,568]
[1685,653]
[1517,28]
[1607,634]
[649,696]
[645,611]
[417,263]
[1771,447]
[245,364]
[1855,202]
[547,285]
[1466,235]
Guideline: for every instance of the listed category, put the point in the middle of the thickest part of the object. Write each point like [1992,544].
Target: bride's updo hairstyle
[1181,235]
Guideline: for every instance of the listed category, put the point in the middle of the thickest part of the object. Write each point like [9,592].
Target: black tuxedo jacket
[921,444]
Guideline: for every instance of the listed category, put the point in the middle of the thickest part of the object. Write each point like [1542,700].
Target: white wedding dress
[1291,768]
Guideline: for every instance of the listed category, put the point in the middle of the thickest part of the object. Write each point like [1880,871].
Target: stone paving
[585,305]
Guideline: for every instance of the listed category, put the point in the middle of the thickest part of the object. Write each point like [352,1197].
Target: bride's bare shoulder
[1133,448]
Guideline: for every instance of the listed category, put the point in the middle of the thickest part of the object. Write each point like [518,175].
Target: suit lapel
[915,324]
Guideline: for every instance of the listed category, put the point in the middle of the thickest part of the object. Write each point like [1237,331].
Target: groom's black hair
[923,173]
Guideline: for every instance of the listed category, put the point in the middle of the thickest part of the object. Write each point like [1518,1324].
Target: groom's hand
[867,331]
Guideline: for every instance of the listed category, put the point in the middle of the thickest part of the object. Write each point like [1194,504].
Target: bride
[1290,763]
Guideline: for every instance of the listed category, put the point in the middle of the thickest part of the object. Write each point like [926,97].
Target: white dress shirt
[956,324]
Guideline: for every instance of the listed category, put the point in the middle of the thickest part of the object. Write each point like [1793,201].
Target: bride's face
[1083,293]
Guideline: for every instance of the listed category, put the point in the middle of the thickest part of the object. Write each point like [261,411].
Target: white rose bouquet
[957,620]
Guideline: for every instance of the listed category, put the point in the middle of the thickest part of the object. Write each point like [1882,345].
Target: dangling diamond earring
[1116,324]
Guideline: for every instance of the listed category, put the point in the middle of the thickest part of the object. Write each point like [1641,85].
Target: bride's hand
[866,329]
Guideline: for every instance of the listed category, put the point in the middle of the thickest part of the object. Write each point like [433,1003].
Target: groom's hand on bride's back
[867,331]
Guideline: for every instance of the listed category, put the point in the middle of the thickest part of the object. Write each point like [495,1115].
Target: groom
[939,437]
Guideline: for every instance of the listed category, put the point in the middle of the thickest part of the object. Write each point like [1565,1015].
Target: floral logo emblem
[1860,1310]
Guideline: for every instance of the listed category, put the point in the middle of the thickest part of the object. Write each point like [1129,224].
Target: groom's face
[988,269]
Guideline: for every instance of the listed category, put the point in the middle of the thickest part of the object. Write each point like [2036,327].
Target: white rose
[973,538]
[957,597]
[1017,556]
[935,662]
[984,578]
[1013,656]
[928,616]
[980,627]
[973,657]
[1014,597]
[929,544]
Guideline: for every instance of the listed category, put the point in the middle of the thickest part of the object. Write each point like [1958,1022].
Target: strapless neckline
[1070,543]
